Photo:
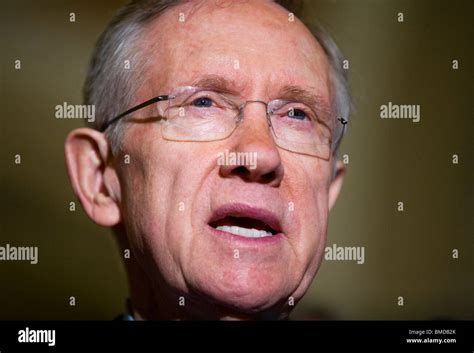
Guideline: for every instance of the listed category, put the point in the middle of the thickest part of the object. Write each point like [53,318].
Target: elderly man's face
[172,191]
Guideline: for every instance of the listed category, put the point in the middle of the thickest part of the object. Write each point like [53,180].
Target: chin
[247,292]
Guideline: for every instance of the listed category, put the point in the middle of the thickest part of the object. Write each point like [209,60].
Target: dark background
[407,253]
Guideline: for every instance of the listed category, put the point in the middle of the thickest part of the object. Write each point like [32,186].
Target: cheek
[309,199]
[164,184]
[148,193]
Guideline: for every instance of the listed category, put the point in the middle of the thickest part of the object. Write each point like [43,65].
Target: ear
[93,180]
[336,183]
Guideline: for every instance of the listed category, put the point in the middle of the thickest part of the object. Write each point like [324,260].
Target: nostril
[241,171]
[248,175]
[268,177]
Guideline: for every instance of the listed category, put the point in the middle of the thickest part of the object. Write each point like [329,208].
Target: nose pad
[269,120]
[270,125]
[240,117]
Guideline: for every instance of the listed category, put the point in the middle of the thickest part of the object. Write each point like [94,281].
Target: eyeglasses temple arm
[137,107]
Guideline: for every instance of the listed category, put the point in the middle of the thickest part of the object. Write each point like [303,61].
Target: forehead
[253,44]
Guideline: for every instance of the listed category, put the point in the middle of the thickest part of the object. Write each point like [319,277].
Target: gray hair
[109,83]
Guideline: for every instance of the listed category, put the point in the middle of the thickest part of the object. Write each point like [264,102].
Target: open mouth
[244,226]
[249,223]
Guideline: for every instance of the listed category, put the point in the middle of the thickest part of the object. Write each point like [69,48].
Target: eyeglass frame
[168,97]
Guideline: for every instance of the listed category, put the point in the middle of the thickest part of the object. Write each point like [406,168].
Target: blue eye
[202,102]
[297,114]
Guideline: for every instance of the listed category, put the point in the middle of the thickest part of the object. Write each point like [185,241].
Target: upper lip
[243,210]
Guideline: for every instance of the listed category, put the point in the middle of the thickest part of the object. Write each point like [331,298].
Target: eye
[202,102]
[298,114]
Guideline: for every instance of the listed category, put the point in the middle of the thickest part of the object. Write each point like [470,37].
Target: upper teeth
[245,232]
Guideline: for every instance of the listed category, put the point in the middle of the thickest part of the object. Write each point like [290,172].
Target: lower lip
[234,237]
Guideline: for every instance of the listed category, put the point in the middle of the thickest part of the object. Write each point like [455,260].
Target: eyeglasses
[198,114]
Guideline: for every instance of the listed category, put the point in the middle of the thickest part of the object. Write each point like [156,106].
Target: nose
[252,148]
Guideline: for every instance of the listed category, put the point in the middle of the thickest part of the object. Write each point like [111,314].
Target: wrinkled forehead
[254,45]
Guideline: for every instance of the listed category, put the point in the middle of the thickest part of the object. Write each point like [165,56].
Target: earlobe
[336,183]
[87,152]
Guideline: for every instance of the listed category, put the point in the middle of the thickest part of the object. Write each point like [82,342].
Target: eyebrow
[218,84]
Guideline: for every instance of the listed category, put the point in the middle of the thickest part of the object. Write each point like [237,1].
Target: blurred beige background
[407,253]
